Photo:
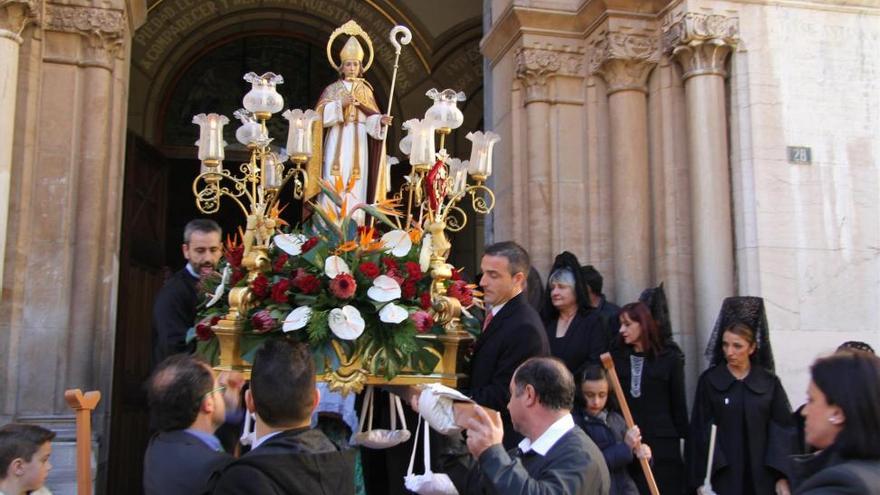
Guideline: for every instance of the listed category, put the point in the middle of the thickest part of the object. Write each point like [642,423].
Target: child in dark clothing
[595,414]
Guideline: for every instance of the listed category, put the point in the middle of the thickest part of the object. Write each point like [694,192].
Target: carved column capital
[624,60]
[15,15]
[701,42]
[534,65]
[105,29]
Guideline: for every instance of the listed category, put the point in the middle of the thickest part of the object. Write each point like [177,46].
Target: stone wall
[663,157]
[807,235]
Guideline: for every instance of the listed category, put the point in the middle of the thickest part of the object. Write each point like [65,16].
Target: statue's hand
[347,100]
[386,119]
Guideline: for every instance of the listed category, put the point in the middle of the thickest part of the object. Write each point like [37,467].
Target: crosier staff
[384,173]
[608,364]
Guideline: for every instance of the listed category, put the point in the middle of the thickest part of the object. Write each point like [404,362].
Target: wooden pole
[608,364]
[83,405]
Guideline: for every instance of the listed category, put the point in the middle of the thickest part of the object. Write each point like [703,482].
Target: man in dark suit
[288,457]
[188,405]
[609,313]
[174,311]
[556,457]
[512,331]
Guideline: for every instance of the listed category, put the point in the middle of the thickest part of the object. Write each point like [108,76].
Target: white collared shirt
[263,438]
[550,436]
[496,309]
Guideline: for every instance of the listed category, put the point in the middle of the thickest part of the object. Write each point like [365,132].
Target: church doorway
[200,71]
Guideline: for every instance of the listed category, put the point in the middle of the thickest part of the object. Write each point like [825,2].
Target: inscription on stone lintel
[800,155]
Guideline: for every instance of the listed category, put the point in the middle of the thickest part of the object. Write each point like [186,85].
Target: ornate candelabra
[438,183]
[255,191]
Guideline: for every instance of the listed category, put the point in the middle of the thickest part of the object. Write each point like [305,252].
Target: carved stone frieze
[534,65]
[105,29]
[624,60]
[701,42]
[15,15]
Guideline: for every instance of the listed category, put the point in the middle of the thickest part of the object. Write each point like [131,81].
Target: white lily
[392,313]
[297,319]
[425,253]
[397,242]
[346,323]
[218,292]
[290,243]
[384,289]
[334,265]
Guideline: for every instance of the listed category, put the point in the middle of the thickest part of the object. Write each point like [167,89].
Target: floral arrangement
[332,281]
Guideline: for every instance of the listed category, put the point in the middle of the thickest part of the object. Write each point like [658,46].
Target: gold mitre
[352,51]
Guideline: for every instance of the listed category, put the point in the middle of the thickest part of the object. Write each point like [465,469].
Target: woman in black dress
[574,329]
[740,395]
[651,374]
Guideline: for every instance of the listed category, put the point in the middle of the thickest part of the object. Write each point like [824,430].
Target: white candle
[708,480]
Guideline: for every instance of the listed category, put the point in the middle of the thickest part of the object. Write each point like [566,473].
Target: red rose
[204,330]
[389,263]
[279,262]
[279,290]
[233,256]
[262,322]
[343,286]
[408,289]
[462,292]
[413,270]
[423,320]
[456,275]
[425,300]
[369,270]
[260,286]
[309,244]
[306,282]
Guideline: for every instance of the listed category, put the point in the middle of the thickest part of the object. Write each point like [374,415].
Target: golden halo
[353,29]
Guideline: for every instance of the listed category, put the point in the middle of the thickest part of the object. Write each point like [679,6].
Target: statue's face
[351,68]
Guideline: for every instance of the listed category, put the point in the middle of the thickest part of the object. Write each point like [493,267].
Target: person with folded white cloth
[555,457]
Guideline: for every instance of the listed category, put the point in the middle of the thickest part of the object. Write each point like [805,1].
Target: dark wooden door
[142,271]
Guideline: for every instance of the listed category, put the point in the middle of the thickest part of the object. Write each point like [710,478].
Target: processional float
[364,280]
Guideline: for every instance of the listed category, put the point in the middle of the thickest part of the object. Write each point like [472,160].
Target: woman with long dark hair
[843,421]
[744,399]
[651,374]
[574,328]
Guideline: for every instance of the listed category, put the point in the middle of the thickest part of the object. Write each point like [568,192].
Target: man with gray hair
[555,457]
[174,311]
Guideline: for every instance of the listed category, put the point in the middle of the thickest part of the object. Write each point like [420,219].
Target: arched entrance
[189,58]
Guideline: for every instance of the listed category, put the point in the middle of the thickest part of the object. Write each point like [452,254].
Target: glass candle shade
[458,172]
[481,153]
[273,171]
[421,141]
[251,132]
[299,134]
[444,113]
[210,141]
[263,98]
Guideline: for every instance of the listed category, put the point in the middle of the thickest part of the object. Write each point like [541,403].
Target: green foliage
[318,329]
[209,350]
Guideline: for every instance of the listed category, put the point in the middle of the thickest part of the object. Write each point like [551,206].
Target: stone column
[552,158]
[701,44]
[64,221]
[14,17]
[624,60]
